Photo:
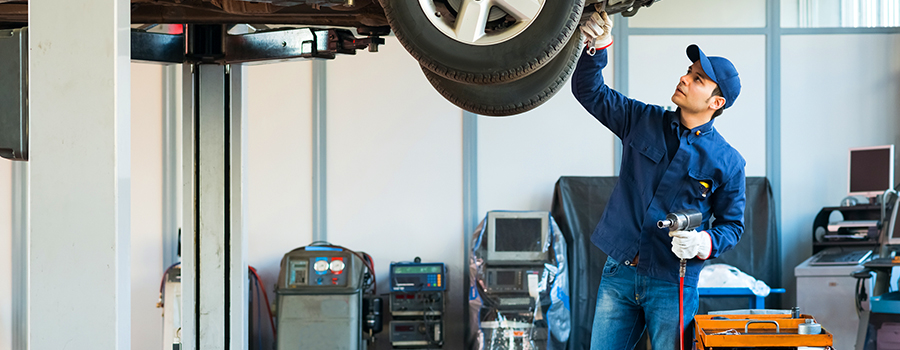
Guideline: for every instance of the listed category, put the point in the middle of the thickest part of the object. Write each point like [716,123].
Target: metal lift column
[214,236]
[214,241]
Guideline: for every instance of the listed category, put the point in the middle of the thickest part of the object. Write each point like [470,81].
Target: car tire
[515,57]
[516,96]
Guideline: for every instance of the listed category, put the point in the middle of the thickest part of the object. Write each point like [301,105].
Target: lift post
[214,242]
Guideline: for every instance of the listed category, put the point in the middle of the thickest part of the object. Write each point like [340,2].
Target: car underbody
[482,55]
[345,13]
[14,13]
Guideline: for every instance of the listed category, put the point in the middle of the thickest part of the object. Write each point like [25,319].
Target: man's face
[694,90]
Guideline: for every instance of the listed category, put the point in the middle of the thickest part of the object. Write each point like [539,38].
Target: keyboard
[856,222]
[841,257]
[859,224]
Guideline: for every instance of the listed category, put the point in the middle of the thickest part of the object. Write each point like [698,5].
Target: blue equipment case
[415,277]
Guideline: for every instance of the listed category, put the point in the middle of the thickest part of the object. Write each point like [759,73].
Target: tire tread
[521,106]
[497,77]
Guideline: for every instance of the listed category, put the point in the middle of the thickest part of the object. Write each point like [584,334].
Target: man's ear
[716,102]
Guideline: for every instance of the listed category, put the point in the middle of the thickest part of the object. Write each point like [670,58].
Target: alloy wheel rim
[482,22]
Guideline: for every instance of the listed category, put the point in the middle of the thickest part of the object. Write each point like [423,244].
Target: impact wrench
[683,220]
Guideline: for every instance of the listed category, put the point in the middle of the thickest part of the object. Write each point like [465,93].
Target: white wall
[832,99]
[394,163]
[146,205]
[279,164]
[520,158]
[657,62]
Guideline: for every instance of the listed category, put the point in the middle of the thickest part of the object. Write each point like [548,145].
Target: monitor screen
[518,235]
[506,278]
[417,269]
[871,170]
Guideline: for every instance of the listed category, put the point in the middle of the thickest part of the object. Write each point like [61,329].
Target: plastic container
[887,303]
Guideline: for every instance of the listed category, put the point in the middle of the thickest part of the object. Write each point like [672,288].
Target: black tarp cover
[578,204]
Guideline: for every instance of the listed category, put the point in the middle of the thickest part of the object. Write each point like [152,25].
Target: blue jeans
[629,303]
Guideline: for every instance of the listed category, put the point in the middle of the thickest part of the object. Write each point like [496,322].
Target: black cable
[266,299]
[258,313]
[436,321]
[426,308]
[249,317]
[860,294]
[371,277]
[162,285]
[856,299]
[486,298]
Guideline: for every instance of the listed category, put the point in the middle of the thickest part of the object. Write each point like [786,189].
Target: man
[671,161]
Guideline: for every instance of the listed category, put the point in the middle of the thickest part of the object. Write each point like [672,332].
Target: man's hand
[597,31]
[688,244]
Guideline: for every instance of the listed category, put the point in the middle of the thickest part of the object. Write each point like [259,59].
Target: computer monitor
[871,170]
[517,236]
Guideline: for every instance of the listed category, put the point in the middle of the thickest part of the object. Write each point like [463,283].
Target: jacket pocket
[648,149]
[642,158]
[700,186]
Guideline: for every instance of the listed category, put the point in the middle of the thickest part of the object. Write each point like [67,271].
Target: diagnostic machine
[322,301]
[417,304]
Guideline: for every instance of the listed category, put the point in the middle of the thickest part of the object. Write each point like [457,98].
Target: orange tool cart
[758,331]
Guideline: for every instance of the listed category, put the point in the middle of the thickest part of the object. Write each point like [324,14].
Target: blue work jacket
[651,185]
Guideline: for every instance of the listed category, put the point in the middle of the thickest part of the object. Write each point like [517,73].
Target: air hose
[681,304]
[681,220]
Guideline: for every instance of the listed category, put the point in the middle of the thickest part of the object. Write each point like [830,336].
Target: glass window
[701,14]
[840,13]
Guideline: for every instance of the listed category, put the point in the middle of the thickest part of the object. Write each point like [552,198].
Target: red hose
[681,313]
[266,296]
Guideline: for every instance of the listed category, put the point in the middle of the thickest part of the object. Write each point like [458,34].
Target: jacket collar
[696,133]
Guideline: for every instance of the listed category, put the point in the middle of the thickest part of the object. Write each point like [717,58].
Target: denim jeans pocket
[610,268]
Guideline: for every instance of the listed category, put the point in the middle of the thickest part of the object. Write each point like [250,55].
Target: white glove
[597,31]
[688,244]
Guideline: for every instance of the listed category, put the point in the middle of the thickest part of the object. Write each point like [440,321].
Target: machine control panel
[512,279]
[298,274]
[429,303]
[413,277]
[416,333]
[318,271]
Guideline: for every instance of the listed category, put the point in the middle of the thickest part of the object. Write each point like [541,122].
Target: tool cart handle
[777,326]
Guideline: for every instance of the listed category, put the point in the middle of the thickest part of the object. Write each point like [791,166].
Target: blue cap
[721,71]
